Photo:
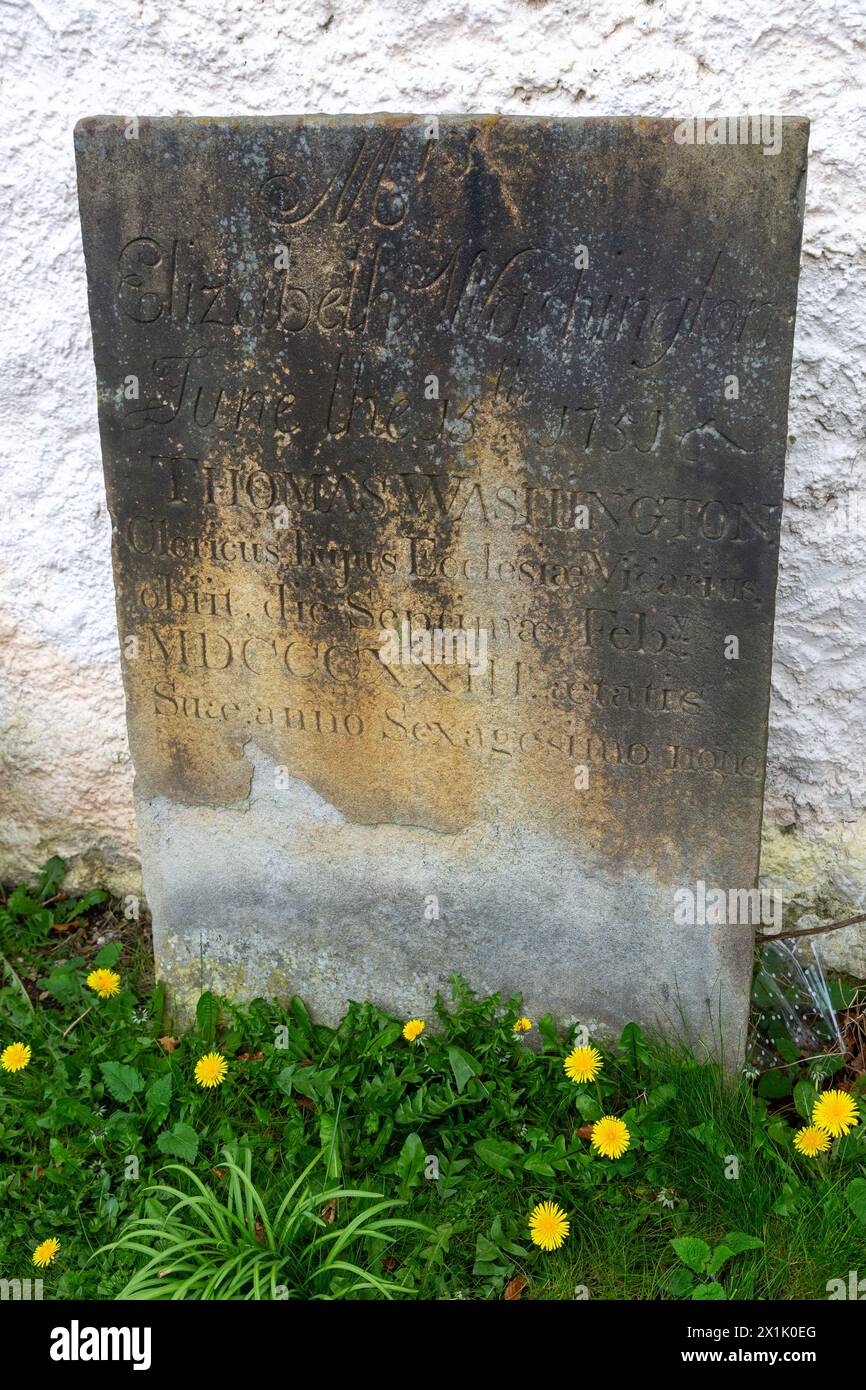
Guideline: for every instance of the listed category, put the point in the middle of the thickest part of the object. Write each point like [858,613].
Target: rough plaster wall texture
[66,779]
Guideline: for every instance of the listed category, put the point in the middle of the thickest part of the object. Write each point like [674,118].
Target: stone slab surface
[522,380]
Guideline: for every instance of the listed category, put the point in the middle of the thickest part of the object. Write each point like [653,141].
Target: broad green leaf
[738,1241]
[68,911]
[536,1163]
[181,1141]
[775,1084]
[693,1252]
[108,956]
[680,1282]
[779,1131]
[463,1066]
[121,1081]
[788,1200]
[719,1257]
[855,1196]
[587,1106]
[489,1260]
[231,1041]
[64,984]
[159,1099]
[21,904]
[655,1135]
[498,1234]
[708,1134]
[61,1156]
[660,1095]
[498,1154]
[299,1015]
[51,876]
[286,1077]
[849,1149]
[713,1293]
[832,1062]
[310,1083]
[633,1044]
[329,1138]
[120,1128]
[410,1161]
[787,1050]
[842,996]
[385,1038]
[207,1016]
[549,1032]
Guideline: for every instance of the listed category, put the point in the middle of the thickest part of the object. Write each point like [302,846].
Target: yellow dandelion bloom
[413,1029]
[523,1025]
[835,1113]
[548,1225]
[610,1137]
[15,1057]
[211,1070]
[44,1253]
[105,982]
[811,1141]
[583,1064]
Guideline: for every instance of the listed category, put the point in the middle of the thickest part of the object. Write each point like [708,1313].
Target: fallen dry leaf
[220,1172]
[304,1103]
[250,1056]
[585,1131]
[329,1211]
[390,1263]
[260,1232]
[514,1288]
[65,926]
[168,1044]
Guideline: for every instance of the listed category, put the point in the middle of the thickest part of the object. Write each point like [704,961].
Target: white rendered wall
[65,777]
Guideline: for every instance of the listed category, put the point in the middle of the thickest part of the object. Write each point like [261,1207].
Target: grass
[351,1163]
[205,1244]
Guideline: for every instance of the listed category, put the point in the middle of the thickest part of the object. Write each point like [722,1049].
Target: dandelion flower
[413,1029]
[15,1057]
[610,1137]
[548,1225]
[44,1253]
[835,1113]
[523,1025]
[583,1064]
[211,1070]
[811,1141]
[105,982]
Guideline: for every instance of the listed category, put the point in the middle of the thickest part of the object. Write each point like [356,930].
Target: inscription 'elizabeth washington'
[527,296]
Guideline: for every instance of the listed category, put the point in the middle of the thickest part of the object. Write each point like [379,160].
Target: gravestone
[445,463]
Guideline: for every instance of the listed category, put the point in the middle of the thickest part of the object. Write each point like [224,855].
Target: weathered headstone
[445,465]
